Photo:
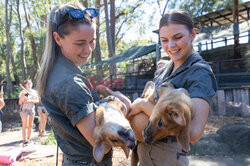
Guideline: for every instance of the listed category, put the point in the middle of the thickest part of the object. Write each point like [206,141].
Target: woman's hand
[121,97]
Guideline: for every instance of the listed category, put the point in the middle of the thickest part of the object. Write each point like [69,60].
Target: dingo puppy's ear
[126,150]
[183,139]
[98,150]
[99,115]
[150,85]
[178,118]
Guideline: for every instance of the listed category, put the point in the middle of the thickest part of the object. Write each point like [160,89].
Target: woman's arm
[20,101]
[31,101]
[1,103]
[87,132]
[198,123]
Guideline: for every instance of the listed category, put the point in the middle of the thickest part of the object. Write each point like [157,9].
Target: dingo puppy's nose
[132,145]
[147,140]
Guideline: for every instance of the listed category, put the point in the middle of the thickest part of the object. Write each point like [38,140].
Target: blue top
[195,75]
[68,99]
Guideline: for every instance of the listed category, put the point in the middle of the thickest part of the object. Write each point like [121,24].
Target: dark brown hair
[177,16]
[26,81]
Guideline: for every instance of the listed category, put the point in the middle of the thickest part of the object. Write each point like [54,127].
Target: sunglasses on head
[78,14]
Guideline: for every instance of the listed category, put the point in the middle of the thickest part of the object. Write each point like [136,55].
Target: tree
[111,52]
[200,7]
[85,3]
[23,61]
[36,64]
[97,52]
[7,27]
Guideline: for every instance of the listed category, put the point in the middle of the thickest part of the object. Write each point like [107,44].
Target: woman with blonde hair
[63,87]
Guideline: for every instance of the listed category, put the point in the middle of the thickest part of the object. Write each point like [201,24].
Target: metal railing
[232,73]
[212,44]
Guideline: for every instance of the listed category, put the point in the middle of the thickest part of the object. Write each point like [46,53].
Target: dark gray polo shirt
[68,99]
[195,75]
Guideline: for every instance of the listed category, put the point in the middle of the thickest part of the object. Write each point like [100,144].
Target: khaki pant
[161,154]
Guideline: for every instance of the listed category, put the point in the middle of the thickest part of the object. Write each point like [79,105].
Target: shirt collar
[189,61]
[69,64]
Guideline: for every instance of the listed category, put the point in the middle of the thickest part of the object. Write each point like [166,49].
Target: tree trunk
[85,3]
[112,23]
[23,62]
[109,39]
[97,51]
[7,27]
[36,65]
[14,70]
[112,30]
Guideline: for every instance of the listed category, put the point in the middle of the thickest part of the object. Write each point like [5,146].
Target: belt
[78,161]
[171,138]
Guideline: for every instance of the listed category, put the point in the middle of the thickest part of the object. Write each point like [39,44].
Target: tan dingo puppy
[171,115]
[112,129]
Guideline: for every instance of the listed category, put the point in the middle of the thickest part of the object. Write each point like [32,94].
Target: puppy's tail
[134,157]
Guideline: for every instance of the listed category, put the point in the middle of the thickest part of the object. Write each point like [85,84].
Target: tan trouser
[161,154]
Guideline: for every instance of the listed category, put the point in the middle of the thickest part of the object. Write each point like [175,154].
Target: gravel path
[45,155]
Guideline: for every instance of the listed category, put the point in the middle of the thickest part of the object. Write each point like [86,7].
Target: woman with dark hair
[63,87]
[186,70]
[27,100]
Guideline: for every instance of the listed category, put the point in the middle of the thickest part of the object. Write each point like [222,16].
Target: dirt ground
[45,155]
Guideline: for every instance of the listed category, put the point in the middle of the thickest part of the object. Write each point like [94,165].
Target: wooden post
[248,11]
[221,102]
[218,72]
[248,36]
[236,34]
[158,54]
[199,47]
[225,41]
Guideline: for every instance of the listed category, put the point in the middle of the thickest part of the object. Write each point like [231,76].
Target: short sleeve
[74,98]
[201,83]
[20,94]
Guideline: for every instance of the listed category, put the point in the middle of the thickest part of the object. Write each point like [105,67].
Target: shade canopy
[132,53]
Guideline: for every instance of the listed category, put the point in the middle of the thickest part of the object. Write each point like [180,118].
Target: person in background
[43,114]
[188,70]
[161,65]
[63,87]
[27,100]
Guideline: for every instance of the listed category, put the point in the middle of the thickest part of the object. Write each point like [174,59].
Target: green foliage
[201,7]
[51,139]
